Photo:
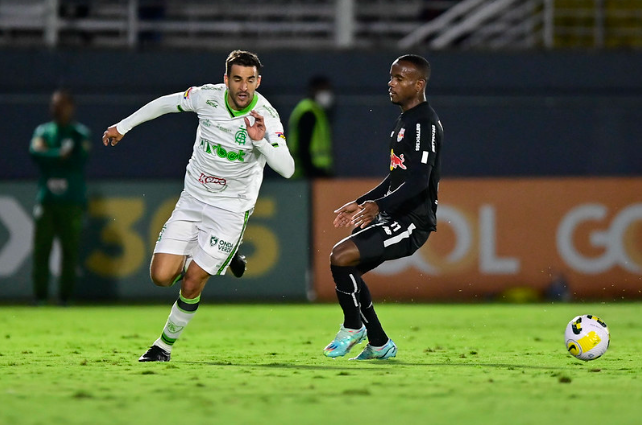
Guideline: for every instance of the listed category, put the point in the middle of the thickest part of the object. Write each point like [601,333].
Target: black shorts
[387,239]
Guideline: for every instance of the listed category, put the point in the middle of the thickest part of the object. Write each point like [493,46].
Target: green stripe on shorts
[238,242]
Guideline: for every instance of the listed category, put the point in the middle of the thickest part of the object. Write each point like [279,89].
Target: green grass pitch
[256,364]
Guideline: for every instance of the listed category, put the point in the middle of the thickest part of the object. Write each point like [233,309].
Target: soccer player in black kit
[395,218]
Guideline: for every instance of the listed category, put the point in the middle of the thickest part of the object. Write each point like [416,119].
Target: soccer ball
[587,337]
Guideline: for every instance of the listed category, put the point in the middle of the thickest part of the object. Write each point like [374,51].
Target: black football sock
[347,281]
[376,335]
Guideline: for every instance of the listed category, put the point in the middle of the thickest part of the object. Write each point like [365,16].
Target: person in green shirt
[59,148]
[310,134]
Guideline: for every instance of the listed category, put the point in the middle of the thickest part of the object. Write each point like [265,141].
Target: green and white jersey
[226,167]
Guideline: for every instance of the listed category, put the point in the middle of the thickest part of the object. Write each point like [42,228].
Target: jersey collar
[243,111]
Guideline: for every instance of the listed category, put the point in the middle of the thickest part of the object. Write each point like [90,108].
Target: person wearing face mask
[310,134]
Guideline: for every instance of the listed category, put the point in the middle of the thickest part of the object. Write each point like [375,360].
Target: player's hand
[38,145]
[344,214]
[368,211]
[256,131]
[111,136]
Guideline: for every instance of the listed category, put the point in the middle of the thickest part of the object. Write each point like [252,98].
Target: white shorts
[209,234]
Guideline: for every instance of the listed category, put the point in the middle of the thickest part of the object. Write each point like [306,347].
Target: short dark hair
[318,83]
[65,94]
[242,58]
[422,65]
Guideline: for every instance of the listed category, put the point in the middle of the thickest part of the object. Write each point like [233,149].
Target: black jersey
[410,189]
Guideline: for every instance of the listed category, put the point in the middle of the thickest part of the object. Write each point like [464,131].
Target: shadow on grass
[380,365]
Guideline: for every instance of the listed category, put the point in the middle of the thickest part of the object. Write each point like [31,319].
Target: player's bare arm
[367,212]
[111,136]
[256,131]
[344,214]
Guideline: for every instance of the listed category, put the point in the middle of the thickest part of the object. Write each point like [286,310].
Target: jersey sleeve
[154,109]
[274,146]
[191,100]
[422,159]
[378,192]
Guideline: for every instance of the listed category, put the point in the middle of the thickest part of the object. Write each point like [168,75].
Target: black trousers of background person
[63,221]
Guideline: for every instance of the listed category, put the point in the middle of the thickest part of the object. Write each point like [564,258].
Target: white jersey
[226,167]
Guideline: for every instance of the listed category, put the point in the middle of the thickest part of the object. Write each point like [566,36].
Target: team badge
[401,134]
[240,136]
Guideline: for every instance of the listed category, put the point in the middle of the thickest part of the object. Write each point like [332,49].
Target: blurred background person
[60,149]
[310,133]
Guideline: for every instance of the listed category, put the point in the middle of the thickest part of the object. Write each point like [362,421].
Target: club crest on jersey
[241,136]
[396,161]
[400,135]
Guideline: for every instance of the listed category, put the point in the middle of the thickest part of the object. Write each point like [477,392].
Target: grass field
[256,364]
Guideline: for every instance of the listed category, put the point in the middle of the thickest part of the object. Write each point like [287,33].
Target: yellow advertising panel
[500,236]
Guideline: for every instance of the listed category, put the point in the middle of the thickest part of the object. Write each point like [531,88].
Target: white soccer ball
[587,337]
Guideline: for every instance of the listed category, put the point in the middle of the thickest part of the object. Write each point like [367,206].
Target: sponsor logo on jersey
[212,103]
[223,129]
[396,161]
[187,92]
[221,152]
[401,134]
[212,180]
[418,138]
[221,245]
[241,136]
[434,130]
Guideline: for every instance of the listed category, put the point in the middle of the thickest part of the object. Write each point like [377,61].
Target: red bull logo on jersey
[400,135]
[396,161]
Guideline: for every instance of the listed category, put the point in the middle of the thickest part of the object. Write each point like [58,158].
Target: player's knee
[344,254]
[161,279]
[164,269]
[161,276]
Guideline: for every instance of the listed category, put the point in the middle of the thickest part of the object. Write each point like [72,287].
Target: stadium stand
[322,24]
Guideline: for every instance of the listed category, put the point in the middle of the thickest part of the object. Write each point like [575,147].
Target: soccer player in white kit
[238,133]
